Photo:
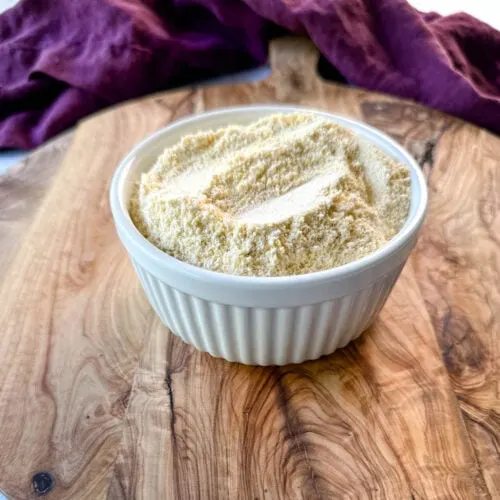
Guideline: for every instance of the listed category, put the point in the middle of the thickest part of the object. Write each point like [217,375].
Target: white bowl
[263,320]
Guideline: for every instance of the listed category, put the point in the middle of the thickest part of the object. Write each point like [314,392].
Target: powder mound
[289,194]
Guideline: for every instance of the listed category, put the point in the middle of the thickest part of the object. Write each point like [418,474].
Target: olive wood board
[99,400]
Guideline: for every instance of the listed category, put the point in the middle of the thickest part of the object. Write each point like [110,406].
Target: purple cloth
[63,59]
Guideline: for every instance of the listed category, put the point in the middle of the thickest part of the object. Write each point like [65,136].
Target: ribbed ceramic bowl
[259,320]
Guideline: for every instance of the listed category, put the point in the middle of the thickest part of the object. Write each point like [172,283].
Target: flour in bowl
[290,194]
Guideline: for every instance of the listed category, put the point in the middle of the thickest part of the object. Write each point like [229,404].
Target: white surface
[9,158]
[7,4]
[487,11]
[262,320]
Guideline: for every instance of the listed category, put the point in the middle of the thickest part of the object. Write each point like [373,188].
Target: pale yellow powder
[289,194]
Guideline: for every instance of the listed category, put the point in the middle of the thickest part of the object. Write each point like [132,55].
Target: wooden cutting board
[98,399]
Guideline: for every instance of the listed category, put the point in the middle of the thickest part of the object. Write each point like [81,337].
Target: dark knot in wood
[43,483]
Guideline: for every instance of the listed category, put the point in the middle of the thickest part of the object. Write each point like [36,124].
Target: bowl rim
[148,250]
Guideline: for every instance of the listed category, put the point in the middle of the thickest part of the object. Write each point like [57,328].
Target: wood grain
[358,424]
[72,318]
[96,392]
[22,190]
[458,263]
